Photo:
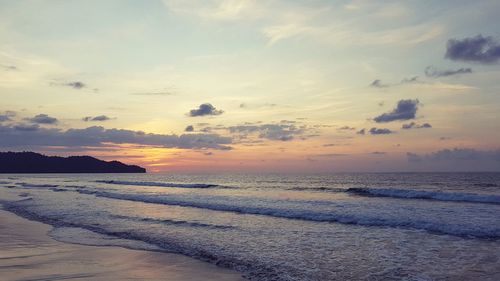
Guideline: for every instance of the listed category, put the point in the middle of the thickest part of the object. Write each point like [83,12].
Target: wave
[85,234]
[320,188]
[361,191]
[423,194]
[173,222]
[336,216]
[160,184]
[486,185]
[32,185]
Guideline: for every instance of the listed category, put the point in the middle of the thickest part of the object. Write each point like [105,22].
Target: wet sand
[27,253]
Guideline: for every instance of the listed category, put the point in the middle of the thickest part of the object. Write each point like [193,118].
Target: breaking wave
[160,184]
[423,194]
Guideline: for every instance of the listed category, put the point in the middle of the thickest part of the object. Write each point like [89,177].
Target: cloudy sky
[242,85]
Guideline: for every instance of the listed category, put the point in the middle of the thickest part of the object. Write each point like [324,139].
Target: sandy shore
[27,253]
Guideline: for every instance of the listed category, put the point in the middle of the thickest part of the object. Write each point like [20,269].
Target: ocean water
[409,226]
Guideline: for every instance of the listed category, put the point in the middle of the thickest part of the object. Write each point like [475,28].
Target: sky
[254,86]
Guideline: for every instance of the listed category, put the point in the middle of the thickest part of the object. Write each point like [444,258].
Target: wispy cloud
[415,81]
[256,105]
[282,132]
[8,67]
[219,10]
[323,23]
[433,72]
[153,94]
[377,83]
[77,85]
[346,128]
[456,154]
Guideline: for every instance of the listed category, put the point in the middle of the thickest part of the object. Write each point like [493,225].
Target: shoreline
[29,253]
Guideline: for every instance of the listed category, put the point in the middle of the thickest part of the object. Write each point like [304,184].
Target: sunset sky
[254,86]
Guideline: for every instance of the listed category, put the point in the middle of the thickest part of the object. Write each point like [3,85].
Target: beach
[28,253]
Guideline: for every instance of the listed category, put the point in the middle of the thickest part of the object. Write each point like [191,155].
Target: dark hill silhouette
[30,162]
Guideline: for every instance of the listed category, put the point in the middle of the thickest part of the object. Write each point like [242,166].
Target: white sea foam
[343,213]
[424,194]
[83,236]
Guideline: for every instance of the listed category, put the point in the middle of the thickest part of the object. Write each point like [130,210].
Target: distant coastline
[31,162]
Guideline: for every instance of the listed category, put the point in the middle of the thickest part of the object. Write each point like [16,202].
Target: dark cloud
[96,118]
[28,136]
[380,131]
[7,116]
[456,154]
[405,110]
[361,132]
[478,49]
[189,128]
[42,119]
[414,125]
[378,84]
[378,153]
[76,85]
[424,126]
[4,117]
[25,127]
[205,109]
[431,71]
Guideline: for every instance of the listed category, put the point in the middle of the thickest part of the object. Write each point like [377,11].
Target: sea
[352,226]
